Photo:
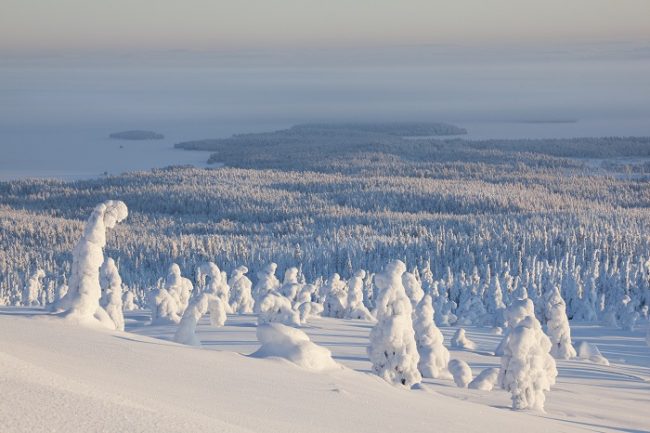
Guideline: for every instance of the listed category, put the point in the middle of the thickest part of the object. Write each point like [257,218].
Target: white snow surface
[59,377]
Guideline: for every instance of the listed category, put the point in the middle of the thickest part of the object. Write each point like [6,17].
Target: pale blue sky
[61,25]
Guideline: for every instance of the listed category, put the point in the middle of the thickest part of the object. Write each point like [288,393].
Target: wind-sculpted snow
[292,344]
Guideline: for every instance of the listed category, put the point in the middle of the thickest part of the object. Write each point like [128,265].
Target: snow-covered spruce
[557,326]
[290,286]
[517,311]
[307,310]
[413,288]
[434,356]
[59,294]
[494,305]
[460,341]
[164,307]
[393,351]
[486,379]
[179,287]
[274,307]
[33,288]
[217,310]
[128,301]
[527,367]
[217,283]
[82,300]
[266,282]
[241,298]
[628,315]
[336,297]
[356,309]
[461,372]
[186,331]
[111,284]
[293,345]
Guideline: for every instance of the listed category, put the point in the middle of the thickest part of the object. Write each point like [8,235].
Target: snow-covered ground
[58,377]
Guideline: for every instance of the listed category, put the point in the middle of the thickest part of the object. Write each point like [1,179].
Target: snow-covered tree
[186,331]
[33,288]
[494,302]
[179,287]
[290,286]
[413,288]
[356,308]
[461,372]
[111,284]
[217,283]
[217,310]
[393,350]
[527,367]
[336,297]
[128,299]
[59,294]
[241,298]
[434,356]
[266,282]
[84,290]
[275,308]
[164,307]
[557,326]
[308,309]
[517,311]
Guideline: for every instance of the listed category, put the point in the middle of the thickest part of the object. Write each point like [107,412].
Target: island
[136,135]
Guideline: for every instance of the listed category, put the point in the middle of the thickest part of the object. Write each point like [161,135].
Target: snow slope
[58,377]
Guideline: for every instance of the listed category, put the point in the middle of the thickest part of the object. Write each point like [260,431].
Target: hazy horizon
[72,25]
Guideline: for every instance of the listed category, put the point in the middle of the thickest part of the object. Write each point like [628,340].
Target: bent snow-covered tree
[393,350]
[186,331]
[84,292]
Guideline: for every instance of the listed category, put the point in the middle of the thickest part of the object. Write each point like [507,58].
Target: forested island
[136,134]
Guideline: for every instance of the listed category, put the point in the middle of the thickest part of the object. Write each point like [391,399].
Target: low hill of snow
[58,377]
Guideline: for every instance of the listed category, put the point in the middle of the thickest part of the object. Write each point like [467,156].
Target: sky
[41,26]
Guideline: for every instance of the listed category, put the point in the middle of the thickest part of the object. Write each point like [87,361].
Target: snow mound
[485,380]
[460,341]
[294,345]
[590,351]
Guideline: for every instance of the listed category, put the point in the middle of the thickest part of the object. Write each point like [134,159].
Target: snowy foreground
[59,377]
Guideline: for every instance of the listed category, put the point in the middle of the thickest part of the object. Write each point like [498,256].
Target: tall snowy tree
[393,350]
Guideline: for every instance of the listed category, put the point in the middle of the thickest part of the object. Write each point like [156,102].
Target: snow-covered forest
[464,218]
